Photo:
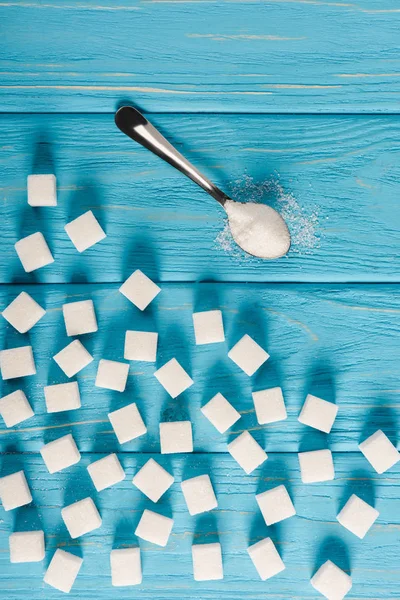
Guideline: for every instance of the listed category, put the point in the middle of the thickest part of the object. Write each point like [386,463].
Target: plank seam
[203,281]
[138,453]
[226,113]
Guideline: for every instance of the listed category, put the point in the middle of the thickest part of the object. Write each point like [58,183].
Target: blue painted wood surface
[325,335]
[304,541]
[340,343]
[342,173]
[185,56]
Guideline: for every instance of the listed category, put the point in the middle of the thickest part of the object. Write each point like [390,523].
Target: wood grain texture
[304,541]
[342,173]
[339,343]
[337,178]
[168,56]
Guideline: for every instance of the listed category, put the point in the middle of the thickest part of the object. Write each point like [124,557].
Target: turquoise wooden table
[294,100]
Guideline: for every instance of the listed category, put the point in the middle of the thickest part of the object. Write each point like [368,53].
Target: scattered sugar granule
[303,224]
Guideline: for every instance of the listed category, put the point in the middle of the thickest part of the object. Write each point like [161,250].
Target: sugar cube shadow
[312,439]
[202,466]
[33,219]
[141,252]
[51,345]
[174,409]
[43,157]
[125,527]
[56,342]
[334,549]
[274,472]
[124,536]
[220,379]
[27,518]
[11,338]
[320,381]
[85,195]
[12,459]
[251,320]
[206,529]
[383,418]
[360,483]
[173,344]
[259,530]
[73,492]
[206,296]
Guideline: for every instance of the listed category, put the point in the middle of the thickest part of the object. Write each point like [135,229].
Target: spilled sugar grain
[303,225]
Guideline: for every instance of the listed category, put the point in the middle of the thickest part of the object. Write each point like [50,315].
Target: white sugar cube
[81,517]
[139,289]
[26,546]
[247,452]
[80,317]
[208,327]
[63,570]
[275,505]
[331,582]
[318,413]
[126,567]
[220,413]
[62,396]
[357,516]
[269,405]
[316,466]
[60,454]
[176,437]
[173,378]
[106,472]
[266,558]
[85,231]
[112,375]
[153,480]
[17,362]
[154,528]
[199,494]
[127,423]
[23,312]
[33,252]
[14,491]
[248,355]
[207,562]
[141,345]
[73,358]
[15,408]
[380,452]
[42,190]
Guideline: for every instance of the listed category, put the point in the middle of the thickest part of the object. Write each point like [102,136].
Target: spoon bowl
[257,228]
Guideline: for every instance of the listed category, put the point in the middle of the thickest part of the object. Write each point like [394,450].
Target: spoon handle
[131,122]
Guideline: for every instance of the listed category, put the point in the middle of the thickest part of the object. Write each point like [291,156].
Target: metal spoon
[131,122]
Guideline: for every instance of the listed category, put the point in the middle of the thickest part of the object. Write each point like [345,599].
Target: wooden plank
[305,541]
[333,177]
[246,56]
[339,343]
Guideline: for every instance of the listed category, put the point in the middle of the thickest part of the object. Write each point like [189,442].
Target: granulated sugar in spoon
[257,228]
